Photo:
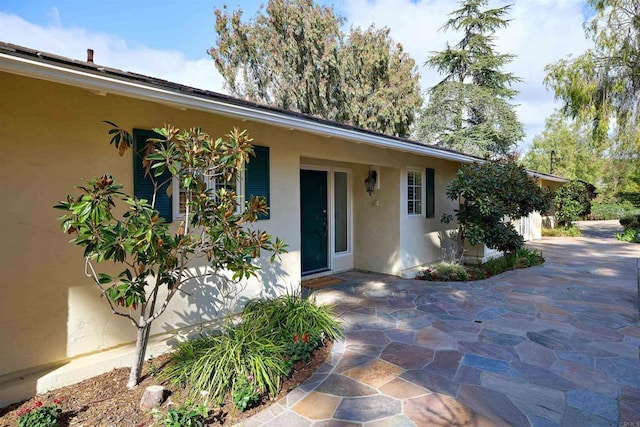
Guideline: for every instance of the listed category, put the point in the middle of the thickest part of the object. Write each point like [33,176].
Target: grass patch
[249,359]
[560,231]
[445,272]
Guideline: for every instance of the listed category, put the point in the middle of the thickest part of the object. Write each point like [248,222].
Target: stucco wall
[52,138]
[420,236]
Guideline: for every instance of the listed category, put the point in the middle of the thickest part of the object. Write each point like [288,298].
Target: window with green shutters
[256,178]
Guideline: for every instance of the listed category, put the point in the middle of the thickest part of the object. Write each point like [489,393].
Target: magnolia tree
[490,195]
[154,257]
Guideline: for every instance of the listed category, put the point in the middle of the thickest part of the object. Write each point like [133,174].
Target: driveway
[551,345]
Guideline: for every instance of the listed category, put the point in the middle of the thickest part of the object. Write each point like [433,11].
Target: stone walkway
[551,345]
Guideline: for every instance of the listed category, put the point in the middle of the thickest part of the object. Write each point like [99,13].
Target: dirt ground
[105,401]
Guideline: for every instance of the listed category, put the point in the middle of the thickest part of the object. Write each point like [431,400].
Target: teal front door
[315,237]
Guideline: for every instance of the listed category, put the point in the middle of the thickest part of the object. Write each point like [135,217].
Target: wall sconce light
[370,181]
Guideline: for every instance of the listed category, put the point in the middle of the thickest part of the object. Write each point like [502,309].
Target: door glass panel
[341,211]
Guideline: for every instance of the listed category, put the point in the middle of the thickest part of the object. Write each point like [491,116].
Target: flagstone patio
[551,345]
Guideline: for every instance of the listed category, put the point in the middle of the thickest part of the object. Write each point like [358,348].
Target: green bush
[213,362]
[629,235]
[446,272]
[248,360]
[613,210]
[39,416]
[630,221]
[572,201]
[560,231]
[188,415]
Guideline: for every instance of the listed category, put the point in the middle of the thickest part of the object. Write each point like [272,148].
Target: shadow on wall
[218,296]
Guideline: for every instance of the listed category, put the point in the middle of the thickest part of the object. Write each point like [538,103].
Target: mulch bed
[104,400]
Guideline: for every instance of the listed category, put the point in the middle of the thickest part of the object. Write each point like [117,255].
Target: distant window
[415,189]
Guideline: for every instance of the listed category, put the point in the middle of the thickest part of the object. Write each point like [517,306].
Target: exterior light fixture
[370,181]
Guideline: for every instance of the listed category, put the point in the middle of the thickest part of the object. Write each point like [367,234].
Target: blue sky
[169,38]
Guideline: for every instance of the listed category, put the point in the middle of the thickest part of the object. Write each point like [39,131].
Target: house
[55,327]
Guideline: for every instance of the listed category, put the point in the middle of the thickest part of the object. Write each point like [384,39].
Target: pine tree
[469,109]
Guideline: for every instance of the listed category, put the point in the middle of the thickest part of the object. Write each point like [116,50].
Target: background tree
[602,87]
[295,56]
[126,231]
[572,201]
[469,109]
[575,155]
[489,195]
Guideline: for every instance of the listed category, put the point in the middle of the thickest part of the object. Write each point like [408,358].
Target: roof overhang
[546,176]
[103,83]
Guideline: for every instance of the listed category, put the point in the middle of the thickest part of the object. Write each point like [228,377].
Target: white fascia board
[107,84]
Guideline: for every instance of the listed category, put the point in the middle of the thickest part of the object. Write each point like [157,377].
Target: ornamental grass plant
[246,361]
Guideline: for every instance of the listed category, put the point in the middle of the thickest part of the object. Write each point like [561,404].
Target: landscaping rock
[152,398]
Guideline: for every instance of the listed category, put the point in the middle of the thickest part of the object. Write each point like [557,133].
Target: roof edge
[103,81]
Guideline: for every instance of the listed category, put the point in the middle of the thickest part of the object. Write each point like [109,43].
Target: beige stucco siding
[52,137]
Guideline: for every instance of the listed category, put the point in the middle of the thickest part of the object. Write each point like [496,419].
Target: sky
[169,38]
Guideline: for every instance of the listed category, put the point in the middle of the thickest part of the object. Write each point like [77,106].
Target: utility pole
[553,155]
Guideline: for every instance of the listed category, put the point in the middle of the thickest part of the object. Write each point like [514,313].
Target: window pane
[414,192]
[341,211]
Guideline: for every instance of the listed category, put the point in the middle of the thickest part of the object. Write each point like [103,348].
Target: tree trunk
[142,338]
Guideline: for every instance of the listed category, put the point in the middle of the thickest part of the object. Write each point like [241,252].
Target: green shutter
[257,176]
[431,180]
[143,185]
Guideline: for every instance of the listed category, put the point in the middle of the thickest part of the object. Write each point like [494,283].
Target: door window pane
[341,211]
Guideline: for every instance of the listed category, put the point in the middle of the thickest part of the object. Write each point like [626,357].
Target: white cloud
[540,32]
[110,51]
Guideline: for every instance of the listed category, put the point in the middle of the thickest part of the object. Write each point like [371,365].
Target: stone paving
[551,345]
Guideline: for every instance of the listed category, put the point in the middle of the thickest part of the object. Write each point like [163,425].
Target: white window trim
[175,199]
[423,192]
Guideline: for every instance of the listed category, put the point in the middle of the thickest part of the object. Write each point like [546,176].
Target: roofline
[87,76]
[547,176]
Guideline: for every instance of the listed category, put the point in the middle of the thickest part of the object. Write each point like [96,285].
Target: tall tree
[294,55]
[568,145]
[602,86]
[469,109]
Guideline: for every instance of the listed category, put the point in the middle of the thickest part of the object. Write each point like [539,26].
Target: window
[213,183]
[341,211]
[256,179]
[414,192]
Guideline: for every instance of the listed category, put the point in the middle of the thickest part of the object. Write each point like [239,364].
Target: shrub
[560,231]
[213,362]
[248,359]
[39,416]
[631,221]
[572,201]
[613,210]
[629,235]
[444,272]
[488,194]
[188,415]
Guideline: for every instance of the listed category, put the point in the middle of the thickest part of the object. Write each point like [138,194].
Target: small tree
[572,201]
[113,226]
[490,194]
